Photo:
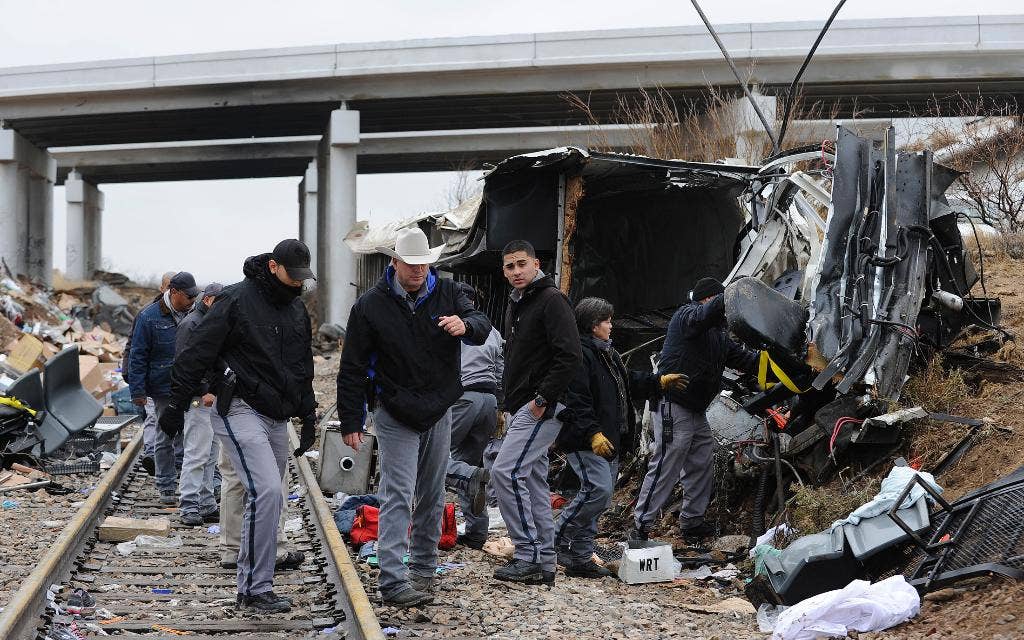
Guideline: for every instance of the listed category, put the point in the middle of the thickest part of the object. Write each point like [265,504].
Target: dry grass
[717,126]
[813,509]
[936,389]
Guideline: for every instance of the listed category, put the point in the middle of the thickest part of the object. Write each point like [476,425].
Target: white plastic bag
[859,606]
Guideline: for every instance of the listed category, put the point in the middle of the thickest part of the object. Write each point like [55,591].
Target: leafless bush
[984,139]
[715,126]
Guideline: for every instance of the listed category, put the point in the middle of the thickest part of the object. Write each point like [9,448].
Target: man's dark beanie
[706,288]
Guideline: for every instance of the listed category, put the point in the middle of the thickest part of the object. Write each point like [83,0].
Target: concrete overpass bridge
[439,93]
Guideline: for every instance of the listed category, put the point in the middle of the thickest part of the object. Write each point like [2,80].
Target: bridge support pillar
[740,121]
[308,212]
[27,174]
[85,227]
[336,213]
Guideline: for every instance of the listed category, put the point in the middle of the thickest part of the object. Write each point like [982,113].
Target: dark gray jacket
[185,329]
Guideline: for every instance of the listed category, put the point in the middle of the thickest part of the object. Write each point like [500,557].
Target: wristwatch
[540,401]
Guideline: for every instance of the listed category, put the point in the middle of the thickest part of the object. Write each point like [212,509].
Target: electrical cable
[799,74]
[736,73]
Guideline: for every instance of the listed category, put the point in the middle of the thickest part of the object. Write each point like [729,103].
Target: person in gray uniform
[542,354]
[600,409]
[698,346]
[195,483]
[260,330]
[474,418]
[402,345]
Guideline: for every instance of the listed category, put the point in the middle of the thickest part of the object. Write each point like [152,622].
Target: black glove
[172,420]
[307,436]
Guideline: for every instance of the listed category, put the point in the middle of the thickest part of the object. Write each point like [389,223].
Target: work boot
[697,533]
[169,498]
[423,584]
[524,572]
[191,519]
[291,560]
[637,536]
[213,517]
[471,541]
[266,602]
[149,465]
[229,564]
[477,492]
[407,597]
[588,569]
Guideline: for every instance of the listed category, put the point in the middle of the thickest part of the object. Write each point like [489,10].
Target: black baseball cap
[293,255]
[185,283]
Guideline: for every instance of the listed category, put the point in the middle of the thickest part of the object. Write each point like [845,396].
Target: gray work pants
[149,428]
[520,478]
[167,453]
[412,471]
[198,463]
[258,449]
[576,526]
[473,420]
[490,455]
[232,504]
[688,459]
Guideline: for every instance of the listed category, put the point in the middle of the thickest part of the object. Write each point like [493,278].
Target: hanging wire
[736,73]
[791,94]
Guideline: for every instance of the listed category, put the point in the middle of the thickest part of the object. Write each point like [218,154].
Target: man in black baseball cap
[185,283]
[293,255]
[698,346]
[259,335]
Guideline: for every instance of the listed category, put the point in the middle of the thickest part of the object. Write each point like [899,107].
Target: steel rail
[20,616]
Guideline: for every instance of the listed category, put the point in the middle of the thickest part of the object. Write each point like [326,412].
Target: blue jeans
[201,450]
[167,454]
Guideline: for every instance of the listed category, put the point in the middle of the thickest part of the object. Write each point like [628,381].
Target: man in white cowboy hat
[402,356]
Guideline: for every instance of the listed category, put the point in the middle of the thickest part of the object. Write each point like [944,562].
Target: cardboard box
[89,372]
[50,350]
[28,353]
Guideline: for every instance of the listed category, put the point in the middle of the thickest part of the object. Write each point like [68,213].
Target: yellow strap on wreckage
[14,403]
[763,366]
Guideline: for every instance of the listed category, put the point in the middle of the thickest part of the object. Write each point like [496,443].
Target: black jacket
[542,346]
[593,402]
[185,329]
[261,330]
[400,357]
[698,345]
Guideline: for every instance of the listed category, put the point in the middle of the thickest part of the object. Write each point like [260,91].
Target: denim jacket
[152,354]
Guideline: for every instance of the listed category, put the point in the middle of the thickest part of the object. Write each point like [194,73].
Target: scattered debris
[859,606]
[115,529]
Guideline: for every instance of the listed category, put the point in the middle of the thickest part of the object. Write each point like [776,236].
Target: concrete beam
[378,152]
[969,49]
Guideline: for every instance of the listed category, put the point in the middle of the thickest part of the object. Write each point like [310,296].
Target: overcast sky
[150,228]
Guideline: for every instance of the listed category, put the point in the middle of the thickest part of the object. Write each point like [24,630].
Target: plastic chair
[66,399]
[29,389]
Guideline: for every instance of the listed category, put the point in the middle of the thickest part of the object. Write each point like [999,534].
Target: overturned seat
[811,565]
[29,389]
[66,399]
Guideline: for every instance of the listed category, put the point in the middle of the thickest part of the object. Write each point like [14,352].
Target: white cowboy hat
[411,247]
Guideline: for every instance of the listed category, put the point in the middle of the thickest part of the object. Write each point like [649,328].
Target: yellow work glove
[674,381]
[601,445]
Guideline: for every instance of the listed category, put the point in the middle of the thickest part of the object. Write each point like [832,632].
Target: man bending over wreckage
[698,346]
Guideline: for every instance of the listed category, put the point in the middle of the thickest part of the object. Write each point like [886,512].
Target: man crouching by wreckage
[260,330]
[698,346]
[402,348]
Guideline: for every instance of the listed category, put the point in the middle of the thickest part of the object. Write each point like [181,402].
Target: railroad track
[166,593]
